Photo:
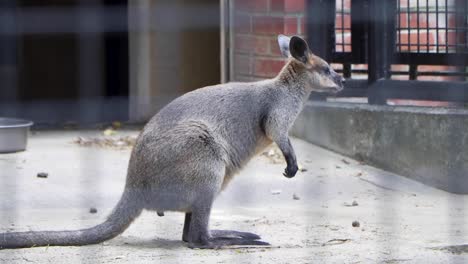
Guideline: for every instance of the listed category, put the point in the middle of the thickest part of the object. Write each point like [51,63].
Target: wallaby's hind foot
[233,234]
[220,242]
[220,238]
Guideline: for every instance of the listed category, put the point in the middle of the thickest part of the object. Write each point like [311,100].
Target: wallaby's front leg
[276,127]
[290,157]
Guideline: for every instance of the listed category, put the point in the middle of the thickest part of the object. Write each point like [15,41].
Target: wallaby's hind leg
[218,233]
[185,234]
[199,235]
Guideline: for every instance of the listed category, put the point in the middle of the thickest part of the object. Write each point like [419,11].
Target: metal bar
[431,73]
[413,72]
[321,27]
[342,27]
[429,59]
[381,45]
[446,25]
[417,24]
[437,25]
[399,25]
[359,20]
[409,23]
[427,25]
[347,70]
[412,90]
[423,90]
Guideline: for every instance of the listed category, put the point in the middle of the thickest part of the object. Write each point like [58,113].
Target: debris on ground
[336,241]
[116,142]
[345,161]
[109,132]
[116,125]
[275,192]
[296,197]
[43,175]
[355,224]
[455,249]
[92,210]
[301,168]
[273,154]
[354,203]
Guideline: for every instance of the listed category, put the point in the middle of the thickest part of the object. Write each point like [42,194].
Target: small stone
[295,197]
[356,224]
[42,175]
[92,210]
[355,203]
[275,192]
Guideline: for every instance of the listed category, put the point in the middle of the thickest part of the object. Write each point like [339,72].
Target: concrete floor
[401,221]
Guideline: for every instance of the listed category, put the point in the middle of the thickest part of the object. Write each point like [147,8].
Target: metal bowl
[13,134]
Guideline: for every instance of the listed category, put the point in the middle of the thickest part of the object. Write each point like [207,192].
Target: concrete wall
[425,144]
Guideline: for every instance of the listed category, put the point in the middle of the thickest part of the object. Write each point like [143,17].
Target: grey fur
[191,149]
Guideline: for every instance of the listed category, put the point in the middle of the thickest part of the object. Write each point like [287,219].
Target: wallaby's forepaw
[290,171]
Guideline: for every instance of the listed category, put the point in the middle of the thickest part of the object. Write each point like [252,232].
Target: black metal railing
[382,34]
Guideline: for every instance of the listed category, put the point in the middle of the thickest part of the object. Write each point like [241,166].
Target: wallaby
[189,151]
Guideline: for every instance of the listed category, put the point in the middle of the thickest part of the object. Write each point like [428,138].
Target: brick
[293,6]
[277,5]
[257,45]
[413,38]
[452,21]
[424,22]
[267,67]
[432,68]
[268,25]
[242,64]
[302,25]
[420,103]
[262,45]
[400,67]
[347,4]
[290,26]
[446,38]
[251,5]
[343,21]
[403,20]
[339,41]
[288,6]
[274,47]
[243,43]
[242,23]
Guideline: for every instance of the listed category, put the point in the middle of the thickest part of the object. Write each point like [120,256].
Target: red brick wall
[256,26]
[258,22]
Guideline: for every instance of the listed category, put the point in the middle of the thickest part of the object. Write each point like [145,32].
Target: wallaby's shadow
[153,243]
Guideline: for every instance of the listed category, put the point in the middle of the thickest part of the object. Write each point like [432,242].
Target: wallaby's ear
[299,49]
[283,42]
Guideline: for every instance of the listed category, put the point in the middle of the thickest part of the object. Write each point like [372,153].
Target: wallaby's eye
[326,70]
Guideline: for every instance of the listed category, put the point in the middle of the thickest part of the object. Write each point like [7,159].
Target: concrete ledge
[425,144]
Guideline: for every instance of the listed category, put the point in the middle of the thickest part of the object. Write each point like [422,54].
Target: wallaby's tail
[121,217]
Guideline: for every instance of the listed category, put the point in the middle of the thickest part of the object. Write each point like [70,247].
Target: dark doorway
[71,61]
